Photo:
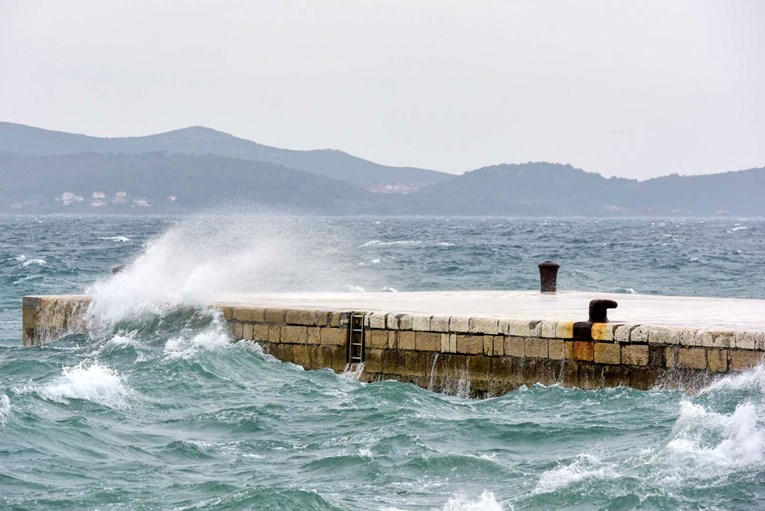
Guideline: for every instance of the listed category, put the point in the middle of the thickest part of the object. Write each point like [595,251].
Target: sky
[624,88]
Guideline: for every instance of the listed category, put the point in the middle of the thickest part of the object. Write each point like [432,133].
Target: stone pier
[481,343]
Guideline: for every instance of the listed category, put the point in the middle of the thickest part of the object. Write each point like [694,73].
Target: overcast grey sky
[635,89]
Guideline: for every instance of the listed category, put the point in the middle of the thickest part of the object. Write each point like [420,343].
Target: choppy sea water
[158,410]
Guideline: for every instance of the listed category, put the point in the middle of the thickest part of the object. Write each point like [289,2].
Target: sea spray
[208,258]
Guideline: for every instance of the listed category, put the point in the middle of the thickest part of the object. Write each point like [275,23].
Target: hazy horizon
[629,90]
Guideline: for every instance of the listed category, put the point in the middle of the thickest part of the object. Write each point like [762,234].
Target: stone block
[723,339]
[298,317]
[499,346]
[635,355]
[392,340]
[704,338]
[406,340]
[622,333]
[692,358]
[321,356]
[427,341]
[548,329]
[421,322]
[339,357]
[260,332]
[453,343]
[488,345]
[514,347]
[334,336]
[313,335]
[514,327]
[607,353]
[228,312]
[274,316]
[564,330]
[301,355]
[405,322]
[391,321]
[688,337]
[247,331]
[242,314]
[377,339]
[469,344]
[445,343]
[480,325]
[535,348]
[672,357]
[656,357]
[556,349]
[373,361]
[294,334]
[602,331]
[535,328]
[640,333]
[583,351]
[717,360]
[439,324]
[459,324]
[744,340]
[377,320]
[740,360]
[393,362]
[663,336]
[237,331]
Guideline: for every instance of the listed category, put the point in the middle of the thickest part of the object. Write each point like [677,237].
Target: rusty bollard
[548,276]
[599,310]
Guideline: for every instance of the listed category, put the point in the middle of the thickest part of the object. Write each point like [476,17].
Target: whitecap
[91,382]
[38,261]
[736,228]
[486,502]
[380,243]
[585,467]
[5,408]
[208,340]
[118,239]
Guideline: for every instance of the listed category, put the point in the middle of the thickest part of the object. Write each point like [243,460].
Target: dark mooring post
[548,276]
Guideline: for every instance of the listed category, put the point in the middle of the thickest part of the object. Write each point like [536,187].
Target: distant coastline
[194,169]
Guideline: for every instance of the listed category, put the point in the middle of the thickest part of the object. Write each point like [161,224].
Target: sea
[158,409]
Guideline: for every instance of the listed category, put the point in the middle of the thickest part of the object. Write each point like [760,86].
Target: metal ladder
[356,339]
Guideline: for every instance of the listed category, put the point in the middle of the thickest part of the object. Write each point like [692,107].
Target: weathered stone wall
[490,356]
[47,318]
[472,355]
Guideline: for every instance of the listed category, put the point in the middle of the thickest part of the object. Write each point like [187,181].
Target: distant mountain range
[197,168]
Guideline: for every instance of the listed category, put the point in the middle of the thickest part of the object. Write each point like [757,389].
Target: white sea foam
[585,467]
[206,258]
[28,262]
[212,338]
[5,408]
[711,439]
[737,228]
[486,502]
[118,239]
[379,243]
[92,382]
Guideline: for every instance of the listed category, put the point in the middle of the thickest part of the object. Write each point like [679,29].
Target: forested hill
[31,141]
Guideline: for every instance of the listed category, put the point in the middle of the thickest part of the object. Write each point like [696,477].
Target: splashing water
[205,258]
[90,382]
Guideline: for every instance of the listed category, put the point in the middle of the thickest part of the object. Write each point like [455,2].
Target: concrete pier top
[696,312]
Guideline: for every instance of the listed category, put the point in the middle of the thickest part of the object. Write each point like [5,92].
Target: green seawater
[158,409]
